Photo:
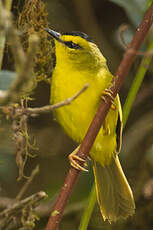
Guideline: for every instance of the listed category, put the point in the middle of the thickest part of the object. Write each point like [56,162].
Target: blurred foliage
[101,20]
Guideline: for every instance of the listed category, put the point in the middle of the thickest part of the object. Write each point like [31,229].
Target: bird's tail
[114,194]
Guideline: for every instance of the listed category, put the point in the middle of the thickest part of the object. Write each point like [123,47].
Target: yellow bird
[78,62]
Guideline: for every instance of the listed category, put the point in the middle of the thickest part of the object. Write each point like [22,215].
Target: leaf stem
[136,83]
[89,208]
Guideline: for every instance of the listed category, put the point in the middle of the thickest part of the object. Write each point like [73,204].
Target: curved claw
[73,161]
[108,92]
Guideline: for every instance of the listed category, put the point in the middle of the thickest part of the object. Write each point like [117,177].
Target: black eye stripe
[72,45]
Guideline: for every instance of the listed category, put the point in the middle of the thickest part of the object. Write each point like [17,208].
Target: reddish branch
[94,128]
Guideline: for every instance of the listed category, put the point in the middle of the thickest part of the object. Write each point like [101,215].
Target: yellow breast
[76,117]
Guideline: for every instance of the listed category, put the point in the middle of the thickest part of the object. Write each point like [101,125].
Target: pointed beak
[54,34]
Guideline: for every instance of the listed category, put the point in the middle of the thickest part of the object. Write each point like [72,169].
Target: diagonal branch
[94,128]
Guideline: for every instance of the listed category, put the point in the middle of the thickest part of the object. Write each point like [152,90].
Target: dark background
[101,20]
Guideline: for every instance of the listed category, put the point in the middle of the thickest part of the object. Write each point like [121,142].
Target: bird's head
[77,49]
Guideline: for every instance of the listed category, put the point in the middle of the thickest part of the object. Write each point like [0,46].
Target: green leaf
[6,79]
[149,2]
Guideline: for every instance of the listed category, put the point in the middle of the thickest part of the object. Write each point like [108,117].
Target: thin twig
[43,210]
[33,200]
[24,77]
[28,182]
[19,115]
[7,216]
[122,29]
[5,202]
[23,62]
[49,108]
[95,126]
[9,29]
[3,18]
[19,111]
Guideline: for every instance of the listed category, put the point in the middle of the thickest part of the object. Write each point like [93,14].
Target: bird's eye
[72,45]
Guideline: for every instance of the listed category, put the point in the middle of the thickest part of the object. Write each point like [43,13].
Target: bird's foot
[74,161]
[109,93]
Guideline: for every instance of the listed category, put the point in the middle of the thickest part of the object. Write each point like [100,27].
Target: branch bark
[95,126]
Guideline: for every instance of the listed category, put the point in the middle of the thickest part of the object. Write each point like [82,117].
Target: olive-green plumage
[79,61]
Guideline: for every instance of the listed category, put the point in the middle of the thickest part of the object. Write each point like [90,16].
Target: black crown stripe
[80,34]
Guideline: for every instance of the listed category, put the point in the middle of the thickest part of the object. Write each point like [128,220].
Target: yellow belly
[76,117]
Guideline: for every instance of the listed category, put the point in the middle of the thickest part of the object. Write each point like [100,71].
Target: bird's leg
[108,92]
[74,159]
